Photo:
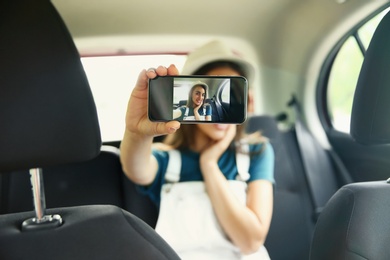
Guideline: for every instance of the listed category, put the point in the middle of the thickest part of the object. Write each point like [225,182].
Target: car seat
[48,117]
[96,181]
[292,223]
[354,223]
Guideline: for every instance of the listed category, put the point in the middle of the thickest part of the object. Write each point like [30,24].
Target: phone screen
[198,99]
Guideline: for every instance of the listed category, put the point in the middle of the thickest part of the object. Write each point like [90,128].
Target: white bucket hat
[216,51]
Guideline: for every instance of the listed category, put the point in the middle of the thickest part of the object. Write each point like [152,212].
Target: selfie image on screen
[201,99]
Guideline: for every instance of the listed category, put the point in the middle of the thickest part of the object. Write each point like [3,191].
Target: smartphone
[198,99]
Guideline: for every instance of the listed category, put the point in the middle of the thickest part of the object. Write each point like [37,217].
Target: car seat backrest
[218,112]
[138,204]
[48,118]
[292,223]
[353,225]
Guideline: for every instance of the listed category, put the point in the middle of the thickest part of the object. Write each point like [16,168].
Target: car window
[112,79]
[344,73]
[225,95]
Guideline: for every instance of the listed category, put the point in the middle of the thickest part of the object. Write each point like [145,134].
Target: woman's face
[198,95]
[217,131]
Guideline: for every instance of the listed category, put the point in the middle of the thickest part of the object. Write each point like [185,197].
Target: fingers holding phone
[137,110]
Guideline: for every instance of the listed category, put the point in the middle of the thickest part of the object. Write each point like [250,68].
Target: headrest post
[38,193]
[41,221]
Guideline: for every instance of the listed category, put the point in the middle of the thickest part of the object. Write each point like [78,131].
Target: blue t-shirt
[203,111]
[261,168]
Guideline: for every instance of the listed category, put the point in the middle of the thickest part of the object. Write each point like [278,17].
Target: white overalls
[187,220]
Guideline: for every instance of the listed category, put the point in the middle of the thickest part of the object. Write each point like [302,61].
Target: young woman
[195,109]
[210,207]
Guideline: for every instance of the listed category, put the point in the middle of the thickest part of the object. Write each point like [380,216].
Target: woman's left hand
[214,152]
[196,108]
[196,112]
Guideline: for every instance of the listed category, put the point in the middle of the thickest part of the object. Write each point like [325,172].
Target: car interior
[63,194]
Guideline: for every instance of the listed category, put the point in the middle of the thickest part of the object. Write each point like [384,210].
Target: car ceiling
[282,30]
[287,39]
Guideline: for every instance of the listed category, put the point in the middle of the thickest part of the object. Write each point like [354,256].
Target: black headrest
[370,120]
[353,225]
[47,112]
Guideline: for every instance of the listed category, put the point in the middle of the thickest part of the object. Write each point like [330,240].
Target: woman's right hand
[137,121]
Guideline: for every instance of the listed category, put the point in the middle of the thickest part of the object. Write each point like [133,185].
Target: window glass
[342,83]
[344,74]
[368,29]
[112,79]
[225,96]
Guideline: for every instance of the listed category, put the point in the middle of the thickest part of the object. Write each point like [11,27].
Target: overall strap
[174,165]
[243,163]
[187,111]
